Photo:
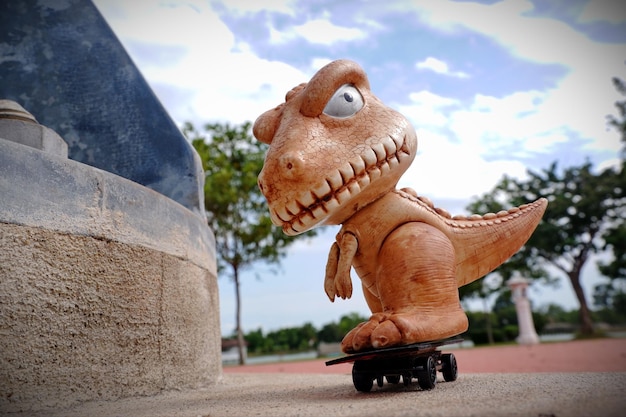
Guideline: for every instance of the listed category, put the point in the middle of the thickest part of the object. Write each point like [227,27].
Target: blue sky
[492,88]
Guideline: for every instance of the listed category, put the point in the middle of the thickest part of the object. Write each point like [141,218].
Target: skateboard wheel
[406,379]
[393,379]
[427,374]
[449,368]
[363,381]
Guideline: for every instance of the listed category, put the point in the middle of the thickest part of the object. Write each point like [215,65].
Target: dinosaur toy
[336,154]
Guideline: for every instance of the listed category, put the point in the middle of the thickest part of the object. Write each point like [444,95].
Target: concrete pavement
[584,394]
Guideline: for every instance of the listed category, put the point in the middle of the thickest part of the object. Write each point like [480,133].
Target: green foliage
[330,333]
[479,325]
[297,339]
[236,210]
[619,123]
[554,313]
[292,339]
[334,332]
[611,301]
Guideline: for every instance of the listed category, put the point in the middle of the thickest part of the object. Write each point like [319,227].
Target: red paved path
[598,355]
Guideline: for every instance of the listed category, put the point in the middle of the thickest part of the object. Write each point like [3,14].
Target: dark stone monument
[62,62]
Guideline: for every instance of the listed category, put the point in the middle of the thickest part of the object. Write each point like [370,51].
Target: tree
[482,289]
[584,207]
[236,210]
[619,123]
[334,332]
[615,237]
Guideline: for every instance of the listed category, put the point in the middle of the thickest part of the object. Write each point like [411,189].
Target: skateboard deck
[417,360]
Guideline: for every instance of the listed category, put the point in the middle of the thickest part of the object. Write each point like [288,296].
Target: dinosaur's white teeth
[398,141]
[275,219]
[305,220]
[322,190]
[369,156]
[381,154]
[293,208]
[358,166]
[331,205]
[347,173]
[393,162]
[282,215]
[354,188]
[296,228]
[319,211]
[364,181]
[343,196]
[384,169]
[390,147]
[335,181]
[307,199]
[374,174]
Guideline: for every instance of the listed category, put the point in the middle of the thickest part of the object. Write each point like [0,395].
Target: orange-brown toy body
[336,154]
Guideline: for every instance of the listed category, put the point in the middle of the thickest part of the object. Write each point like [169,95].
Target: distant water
[558,337]
[282,358]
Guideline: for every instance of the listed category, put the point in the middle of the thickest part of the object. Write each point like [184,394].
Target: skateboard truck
[418,360]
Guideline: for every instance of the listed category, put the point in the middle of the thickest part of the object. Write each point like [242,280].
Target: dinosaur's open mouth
[341,186]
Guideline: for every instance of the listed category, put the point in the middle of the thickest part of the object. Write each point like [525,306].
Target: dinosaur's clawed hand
[338,281]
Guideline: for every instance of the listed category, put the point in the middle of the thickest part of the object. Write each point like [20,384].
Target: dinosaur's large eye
[345,102]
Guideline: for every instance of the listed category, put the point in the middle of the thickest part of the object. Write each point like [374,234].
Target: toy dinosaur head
[334,148]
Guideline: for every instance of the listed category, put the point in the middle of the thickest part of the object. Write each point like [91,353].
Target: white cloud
[580,100]
[427,109]
[190,25]
[323,32]
[317,31]
[221,80]
[489,124]
[255,6]
[317,63]
[454,170]
[440,67]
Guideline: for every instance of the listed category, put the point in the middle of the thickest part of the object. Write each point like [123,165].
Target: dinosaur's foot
[392,329]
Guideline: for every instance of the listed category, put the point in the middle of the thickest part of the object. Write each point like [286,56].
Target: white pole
[527,333]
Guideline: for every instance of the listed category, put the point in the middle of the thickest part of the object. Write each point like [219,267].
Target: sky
[491,87]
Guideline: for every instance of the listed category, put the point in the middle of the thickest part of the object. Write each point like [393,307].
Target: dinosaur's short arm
[338,281]
[331,271]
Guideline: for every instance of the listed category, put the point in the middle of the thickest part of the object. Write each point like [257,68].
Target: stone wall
[108,284]
[108,289]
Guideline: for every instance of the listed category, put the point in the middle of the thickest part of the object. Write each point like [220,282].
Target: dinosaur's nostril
[292,164]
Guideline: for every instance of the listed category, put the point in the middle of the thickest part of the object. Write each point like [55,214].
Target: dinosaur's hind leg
[417,289]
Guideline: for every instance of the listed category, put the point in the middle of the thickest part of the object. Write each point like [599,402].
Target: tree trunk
[241,344]
[488,323]
[586,324]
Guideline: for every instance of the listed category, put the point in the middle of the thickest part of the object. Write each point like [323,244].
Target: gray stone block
[19,126]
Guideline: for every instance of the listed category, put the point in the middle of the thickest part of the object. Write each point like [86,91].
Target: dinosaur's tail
[498,237]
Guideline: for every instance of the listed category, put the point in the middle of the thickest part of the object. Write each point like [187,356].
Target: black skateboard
[418,360]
